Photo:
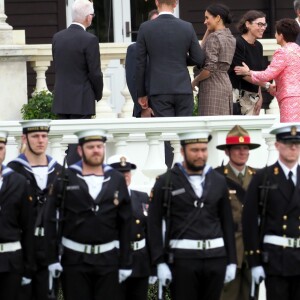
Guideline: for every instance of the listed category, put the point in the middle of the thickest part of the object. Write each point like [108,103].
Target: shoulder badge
[276,171]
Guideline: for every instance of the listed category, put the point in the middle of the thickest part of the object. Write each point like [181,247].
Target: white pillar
[155,164]
[103,109]
[121,143]
[57,151]
[177,155]
[40,68]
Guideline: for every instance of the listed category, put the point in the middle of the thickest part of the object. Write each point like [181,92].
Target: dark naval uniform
[136,286]
[95,234]
[16,233]
[239,288]
[199,231]
[39,287]
[277,248]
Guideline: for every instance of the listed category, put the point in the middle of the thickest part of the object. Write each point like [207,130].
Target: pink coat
[284,69]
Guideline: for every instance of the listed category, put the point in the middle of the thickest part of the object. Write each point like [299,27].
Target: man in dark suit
[95,232]
[271,219]
[136,286]
[130,69]
[78,76]
[197,251]
[171,45]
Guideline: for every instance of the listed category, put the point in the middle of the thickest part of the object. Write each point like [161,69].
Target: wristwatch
[267,86]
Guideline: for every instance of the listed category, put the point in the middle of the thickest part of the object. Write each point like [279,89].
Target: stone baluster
[56,149]
[120,143]
[155,164]
[40,68]
[272,152]
[12,148]
[177,155]
[103,109]
[127,108]
[6,34]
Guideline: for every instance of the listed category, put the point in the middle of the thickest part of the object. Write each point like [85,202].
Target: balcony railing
[40,57]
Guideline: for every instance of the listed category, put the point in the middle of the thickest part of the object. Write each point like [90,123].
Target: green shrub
[38,106]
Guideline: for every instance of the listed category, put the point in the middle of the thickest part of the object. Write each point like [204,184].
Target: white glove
[164,274]
[124,274]
[152,279]
[230,273]
[25,281]
[258,274]
[55,269]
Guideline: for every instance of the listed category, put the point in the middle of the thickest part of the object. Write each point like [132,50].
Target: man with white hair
[78,76]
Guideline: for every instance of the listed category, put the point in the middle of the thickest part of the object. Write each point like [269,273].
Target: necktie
[241,178]
[291,180]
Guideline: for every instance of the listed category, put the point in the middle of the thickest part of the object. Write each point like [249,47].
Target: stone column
[103,109]
[40,68]
[6,34]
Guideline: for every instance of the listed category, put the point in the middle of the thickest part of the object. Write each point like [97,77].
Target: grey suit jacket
[171,45]
[78,76]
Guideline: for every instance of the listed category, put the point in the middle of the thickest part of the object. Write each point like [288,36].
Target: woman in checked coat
[215,89]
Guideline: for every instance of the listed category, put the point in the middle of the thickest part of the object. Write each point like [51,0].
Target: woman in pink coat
[284,69]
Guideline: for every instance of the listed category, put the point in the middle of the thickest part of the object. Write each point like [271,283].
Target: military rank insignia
[276,171]
[145,207]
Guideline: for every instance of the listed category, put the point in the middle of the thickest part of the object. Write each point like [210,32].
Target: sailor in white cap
[16,234]
[96,224]
[40,170]
[136,286]
[192,199]
[272,245]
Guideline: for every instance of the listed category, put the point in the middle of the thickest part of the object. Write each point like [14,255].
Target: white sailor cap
[90,135]
[3,136]
[29,126]
[287,133]
[193,137]
[121,163]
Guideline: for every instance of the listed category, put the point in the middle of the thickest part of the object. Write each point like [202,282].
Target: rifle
[62,186]
[263,201]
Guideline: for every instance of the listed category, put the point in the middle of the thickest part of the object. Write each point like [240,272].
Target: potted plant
[38,106]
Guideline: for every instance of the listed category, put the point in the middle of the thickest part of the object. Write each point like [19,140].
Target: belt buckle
[87,249]
[134,245]
[1,248]
[200,245]
[95,249]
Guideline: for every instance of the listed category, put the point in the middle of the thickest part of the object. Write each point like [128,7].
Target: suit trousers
[135,288]
[171,106]
[197,279]
[86,285]
[10,284]
[282,287]
[239,288]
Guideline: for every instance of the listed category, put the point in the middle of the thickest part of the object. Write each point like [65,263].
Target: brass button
[137,221]
[246,252]
[285,217]
[251,252]
[284,235]
[138,236]
[284,227]
[257,251]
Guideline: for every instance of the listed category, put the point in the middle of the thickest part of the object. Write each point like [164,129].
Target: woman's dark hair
[221,10]
[249,16]
[289,29]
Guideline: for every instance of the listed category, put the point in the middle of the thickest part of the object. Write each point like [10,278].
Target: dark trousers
[38,289]
[135,288]
[72,155]
[10,284]
[171,106]
[90,285]
[197,279]
[282,287]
